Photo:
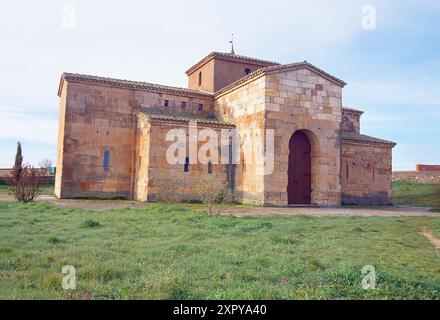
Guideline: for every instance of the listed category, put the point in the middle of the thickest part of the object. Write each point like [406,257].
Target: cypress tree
[18,166]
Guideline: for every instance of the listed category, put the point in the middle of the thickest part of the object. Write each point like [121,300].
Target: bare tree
[46,164]
[211,191]
[24,182]
[26,188]
[172,191]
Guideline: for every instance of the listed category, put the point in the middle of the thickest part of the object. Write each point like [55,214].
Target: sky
[387,51]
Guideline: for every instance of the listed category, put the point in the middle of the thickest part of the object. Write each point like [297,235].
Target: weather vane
[232,44]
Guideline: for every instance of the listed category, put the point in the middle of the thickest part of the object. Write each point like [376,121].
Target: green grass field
[167,252]
[170,252]
[412,194]
[44,189]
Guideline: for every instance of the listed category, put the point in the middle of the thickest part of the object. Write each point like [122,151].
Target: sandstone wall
[60,141]
[156,175]
[351,121]
[366,174]
[207,71]
[227,72]
[302,100]
[287,102]
[245,106]
[427,177]
[96,118]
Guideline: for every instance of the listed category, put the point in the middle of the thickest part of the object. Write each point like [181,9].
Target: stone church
[112,139]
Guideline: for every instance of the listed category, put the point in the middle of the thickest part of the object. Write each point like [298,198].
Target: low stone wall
[427,177]
[425,167]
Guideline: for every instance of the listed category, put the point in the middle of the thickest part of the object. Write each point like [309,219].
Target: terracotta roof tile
[154,113]
[351,110]
[362,138]
[231,57]
[128,84]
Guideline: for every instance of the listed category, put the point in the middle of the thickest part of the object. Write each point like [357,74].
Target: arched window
[106,161]
[247,71]
[186,165]
[200,78]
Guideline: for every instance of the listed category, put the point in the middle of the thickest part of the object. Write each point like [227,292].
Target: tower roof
[231,57]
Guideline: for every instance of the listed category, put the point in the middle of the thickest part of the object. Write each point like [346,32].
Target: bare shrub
[26,186]
[211,191]
[45,165]
[172,191]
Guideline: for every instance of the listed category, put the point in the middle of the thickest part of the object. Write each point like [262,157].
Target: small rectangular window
[106,162]
[209,167]
[166,103]
[186,166]
[183,106]
[201,107]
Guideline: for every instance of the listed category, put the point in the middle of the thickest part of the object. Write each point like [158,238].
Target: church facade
[114,136]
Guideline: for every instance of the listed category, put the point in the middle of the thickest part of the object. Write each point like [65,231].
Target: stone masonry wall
[302,100]
[95,118]
[244,106]
[351,121]
[426,177]
[287,102]
[157,176]
[366,174]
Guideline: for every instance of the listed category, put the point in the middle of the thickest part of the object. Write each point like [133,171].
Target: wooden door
[299,187]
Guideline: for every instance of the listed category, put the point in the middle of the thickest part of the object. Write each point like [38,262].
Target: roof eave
[234,58]
[278,69]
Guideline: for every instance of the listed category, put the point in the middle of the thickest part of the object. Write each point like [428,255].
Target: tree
[24,182]
[18,165]
[27,188]
[212,191]
[46,164]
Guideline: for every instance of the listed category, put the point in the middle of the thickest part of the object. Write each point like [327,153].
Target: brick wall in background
[424,168]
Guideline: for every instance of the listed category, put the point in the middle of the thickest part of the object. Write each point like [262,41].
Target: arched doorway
[299,187]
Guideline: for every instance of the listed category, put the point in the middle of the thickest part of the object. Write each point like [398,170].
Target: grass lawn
[167,252]
[47,189]
[413,194]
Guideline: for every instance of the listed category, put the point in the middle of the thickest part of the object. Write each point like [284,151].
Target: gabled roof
[351,110]
[230,57]
[282,68]
[127,84]
[364,139]
[158,114]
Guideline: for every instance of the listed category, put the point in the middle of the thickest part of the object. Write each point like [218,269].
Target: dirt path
[385,211]
[85,204]
[428,235]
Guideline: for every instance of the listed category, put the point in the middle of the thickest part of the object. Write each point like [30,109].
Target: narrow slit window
[209,167]
[186,165]
[106,162]
[346,171]
[200,78]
